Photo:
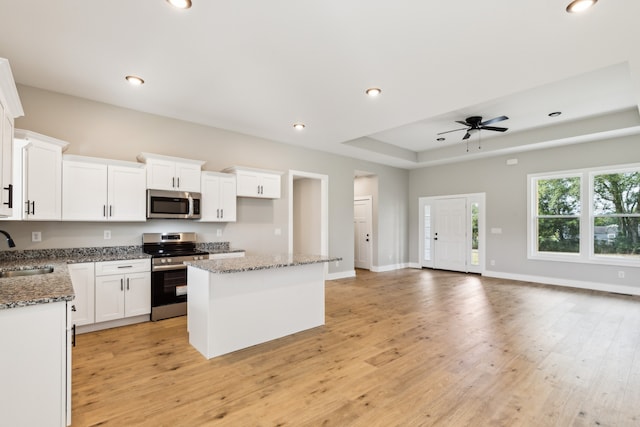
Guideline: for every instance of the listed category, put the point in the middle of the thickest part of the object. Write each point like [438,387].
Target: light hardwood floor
[403,348]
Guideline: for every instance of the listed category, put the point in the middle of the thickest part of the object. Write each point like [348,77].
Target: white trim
[8,88]
[340,275]
[580,284]
[390,267]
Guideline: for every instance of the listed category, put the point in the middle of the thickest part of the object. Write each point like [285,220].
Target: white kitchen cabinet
[41,172]
[35,366]
[172,173]
[83,280]
[123,289]
[10,108]
[256,183]
[218,203]
[102,190]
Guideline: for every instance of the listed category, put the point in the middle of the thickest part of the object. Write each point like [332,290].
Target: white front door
[450,233]
[362,232]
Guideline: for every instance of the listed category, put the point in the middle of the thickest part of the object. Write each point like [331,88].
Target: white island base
[230,311]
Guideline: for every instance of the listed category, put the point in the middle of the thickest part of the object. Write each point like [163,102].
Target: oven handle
[168,267]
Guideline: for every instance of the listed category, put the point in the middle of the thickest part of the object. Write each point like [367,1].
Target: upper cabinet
[96,189]
[10,108]
[41,195]
[258,183]
[172,173]
[218,197]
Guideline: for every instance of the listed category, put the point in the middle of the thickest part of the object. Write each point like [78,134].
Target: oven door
[169,286]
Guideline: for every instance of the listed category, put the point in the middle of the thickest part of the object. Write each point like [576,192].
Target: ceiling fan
[475,124]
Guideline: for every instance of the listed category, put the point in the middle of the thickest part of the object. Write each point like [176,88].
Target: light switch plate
[36,236]
[107,234]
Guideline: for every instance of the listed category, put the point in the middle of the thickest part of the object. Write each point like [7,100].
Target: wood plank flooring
[402,348]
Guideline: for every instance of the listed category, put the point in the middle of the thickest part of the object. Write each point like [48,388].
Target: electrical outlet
[277,231]
[219,232]
[107,234]
[36,236]
[492,262]
[620,274]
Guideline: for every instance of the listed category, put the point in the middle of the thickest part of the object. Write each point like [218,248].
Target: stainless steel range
[168,273]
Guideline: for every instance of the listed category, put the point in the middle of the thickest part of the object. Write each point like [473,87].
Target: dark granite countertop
[258,262]
[53,287]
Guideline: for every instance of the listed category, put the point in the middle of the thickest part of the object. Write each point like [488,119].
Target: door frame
[370,214]
[324,209]
[479,198]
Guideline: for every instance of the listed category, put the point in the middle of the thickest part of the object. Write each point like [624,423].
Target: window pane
[616,236]
[616,193]
[559,235]
[475,235]
[560,196]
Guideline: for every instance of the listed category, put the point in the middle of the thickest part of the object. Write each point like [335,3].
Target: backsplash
[212,246]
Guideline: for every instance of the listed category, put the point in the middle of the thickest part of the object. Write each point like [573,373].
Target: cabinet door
[228,198]
[210,202]
[83,280]
[188,177]
[247,184]
[43,181]
[127,194]
[137,294]
[6,151]
[161,174]
[270,186]
[109,297]
[84,191]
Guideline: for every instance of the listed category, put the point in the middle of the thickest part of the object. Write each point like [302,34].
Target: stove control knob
[168,259]
[201,257]
[163,260]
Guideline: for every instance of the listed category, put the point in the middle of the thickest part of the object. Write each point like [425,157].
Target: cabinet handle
[221,213]
[173,182]
[104,211]
[33,207]
[73,308]
[10,198]
[178,182]
[73,338]
[125,266]
[122,284]
[127,283]
[110,210]
[27,211]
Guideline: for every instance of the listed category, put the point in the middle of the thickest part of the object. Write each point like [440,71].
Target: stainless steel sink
[29,272]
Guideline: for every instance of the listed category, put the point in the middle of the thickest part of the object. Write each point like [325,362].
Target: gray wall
[101,130]
[506,204]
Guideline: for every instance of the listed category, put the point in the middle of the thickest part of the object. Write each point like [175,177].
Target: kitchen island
[240,302]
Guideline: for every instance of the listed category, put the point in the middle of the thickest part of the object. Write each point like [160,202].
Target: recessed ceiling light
[180,4]
[440,139]
[555,114]
[577,6]
[373,91]
[135,80]
[299,126]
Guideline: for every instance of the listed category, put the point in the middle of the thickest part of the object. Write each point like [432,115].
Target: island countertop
[258,262]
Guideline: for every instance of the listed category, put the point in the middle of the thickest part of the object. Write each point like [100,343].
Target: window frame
[586,253]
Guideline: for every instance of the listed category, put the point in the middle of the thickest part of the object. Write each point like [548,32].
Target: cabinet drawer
[122,267]
[227,255]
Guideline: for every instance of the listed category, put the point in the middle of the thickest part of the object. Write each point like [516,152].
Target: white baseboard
[391,267]
[414,265]
[340,275]
[594,286]
[112,324]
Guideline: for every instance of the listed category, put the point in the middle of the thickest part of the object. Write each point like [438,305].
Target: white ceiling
[258,67]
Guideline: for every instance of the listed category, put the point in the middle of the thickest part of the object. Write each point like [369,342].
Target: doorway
[308,213]
[362,232]
[452,232]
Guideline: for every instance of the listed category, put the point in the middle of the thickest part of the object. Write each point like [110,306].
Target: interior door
[362,232]
[450,233]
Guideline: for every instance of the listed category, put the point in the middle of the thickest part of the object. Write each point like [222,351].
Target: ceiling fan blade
[494,120]
[463,123]
[466,136]
[455,130]
[497,129]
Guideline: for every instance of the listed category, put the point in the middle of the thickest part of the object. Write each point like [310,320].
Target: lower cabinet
[122,289]
[35,375]
[83,280]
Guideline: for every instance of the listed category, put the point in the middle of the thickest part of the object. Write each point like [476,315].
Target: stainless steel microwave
[173,204]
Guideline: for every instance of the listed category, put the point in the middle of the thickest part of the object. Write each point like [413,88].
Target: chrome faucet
[9,239]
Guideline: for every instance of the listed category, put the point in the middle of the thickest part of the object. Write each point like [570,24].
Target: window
[567,207]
